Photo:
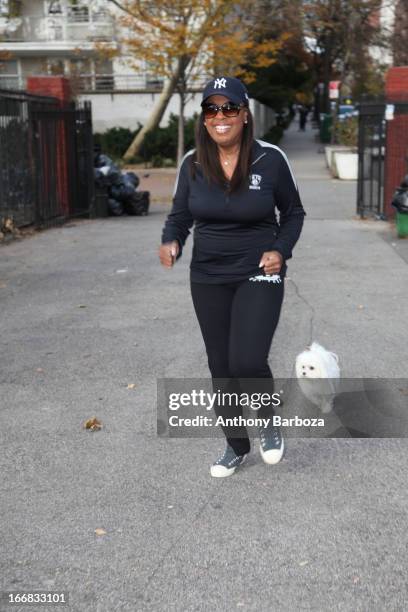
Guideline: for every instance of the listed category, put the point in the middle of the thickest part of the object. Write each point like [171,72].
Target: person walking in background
[303,112]
[229,187]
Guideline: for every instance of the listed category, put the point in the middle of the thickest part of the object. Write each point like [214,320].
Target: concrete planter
[331,149]
[330,152]
[346,165]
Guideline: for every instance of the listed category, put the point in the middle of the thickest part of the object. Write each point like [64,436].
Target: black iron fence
[381,148]
[46,159]
[371,157]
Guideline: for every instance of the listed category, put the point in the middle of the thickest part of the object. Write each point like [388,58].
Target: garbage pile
[400,197]
[121,187]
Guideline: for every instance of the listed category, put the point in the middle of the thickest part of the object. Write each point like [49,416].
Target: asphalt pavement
[123,519]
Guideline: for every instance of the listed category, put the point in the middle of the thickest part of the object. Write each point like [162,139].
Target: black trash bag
[400,200]
[139,204]
[99,177]
[129,183]
[122,192]
[102,160]
[115,207]
[404,183]
[112,174]
[132,177]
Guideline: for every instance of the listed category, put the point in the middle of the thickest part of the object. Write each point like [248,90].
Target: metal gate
[371,157]
[378,154]
[46,159]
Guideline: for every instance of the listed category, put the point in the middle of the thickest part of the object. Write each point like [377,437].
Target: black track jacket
[232,231]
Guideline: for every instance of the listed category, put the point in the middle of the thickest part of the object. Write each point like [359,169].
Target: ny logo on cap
[220,83]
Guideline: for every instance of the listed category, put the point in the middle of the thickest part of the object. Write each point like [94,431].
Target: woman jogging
[229,187]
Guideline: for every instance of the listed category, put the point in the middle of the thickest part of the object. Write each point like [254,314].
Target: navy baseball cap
[230,87]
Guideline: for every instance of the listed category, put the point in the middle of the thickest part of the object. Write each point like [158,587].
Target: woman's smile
[222,128]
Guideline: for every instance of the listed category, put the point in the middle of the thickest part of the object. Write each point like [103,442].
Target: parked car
[346,110]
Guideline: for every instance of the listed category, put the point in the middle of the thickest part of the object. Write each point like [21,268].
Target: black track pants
[237,321]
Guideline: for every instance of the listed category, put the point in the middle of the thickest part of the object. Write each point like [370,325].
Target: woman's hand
[271,262]
[168,253]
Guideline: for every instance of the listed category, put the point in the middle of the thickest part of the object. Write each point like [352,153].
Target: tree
[400,34]
[278,85]
[182,40]
[339,34]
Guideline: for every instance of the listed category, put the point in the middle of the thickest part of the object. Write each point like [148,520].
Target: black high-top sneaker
[227,464]
[271,444]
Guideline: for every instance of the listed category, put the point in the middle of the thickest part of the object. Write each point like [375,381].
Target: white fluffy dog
[318,375]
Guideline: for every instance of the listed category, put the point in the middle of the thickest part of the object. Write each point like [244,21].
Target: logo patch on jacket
[255,181]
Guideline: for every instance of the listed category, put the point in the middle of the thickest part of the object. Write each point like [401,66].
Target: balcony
[70,29]
[107,83]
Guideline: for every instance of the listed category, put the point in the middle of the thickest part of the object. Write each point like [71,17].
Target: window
[9,67]
[78,11]
[104,80]
[9,77]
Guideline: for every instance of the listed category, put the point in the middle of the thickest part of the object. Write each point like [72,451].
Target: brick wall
[396,159]
[396,84]
[57,87]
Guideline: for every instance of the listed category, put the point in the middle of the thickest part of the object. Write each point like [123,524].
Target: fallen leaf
[40,370]
[356,579]
[81,306]
[170,506]
[3,285]
[301,563]
[360,306]
[131,386]
[93,424]
[99,531]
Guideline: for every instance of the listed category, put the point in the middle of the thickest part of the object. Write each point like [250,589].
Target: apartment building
[385,18]
[65,37]
[54,37]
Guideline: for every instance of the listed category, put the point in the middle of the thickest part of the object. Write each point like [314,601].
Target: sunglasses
[228,109]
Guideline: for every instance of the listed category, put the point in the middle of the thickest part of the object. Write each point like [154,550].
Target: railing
[371,158]
[8,81]
[92,27]
[48,178]
[382,155]
[108,83]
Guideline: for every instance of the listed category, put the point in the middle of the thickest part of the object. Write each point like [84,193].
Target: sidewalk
[351,273]
[87,310]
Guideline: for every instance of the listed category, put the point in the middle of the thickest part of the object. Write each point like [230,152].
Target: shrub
[160,143]
[115,141]
[274,134]
[346,131]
